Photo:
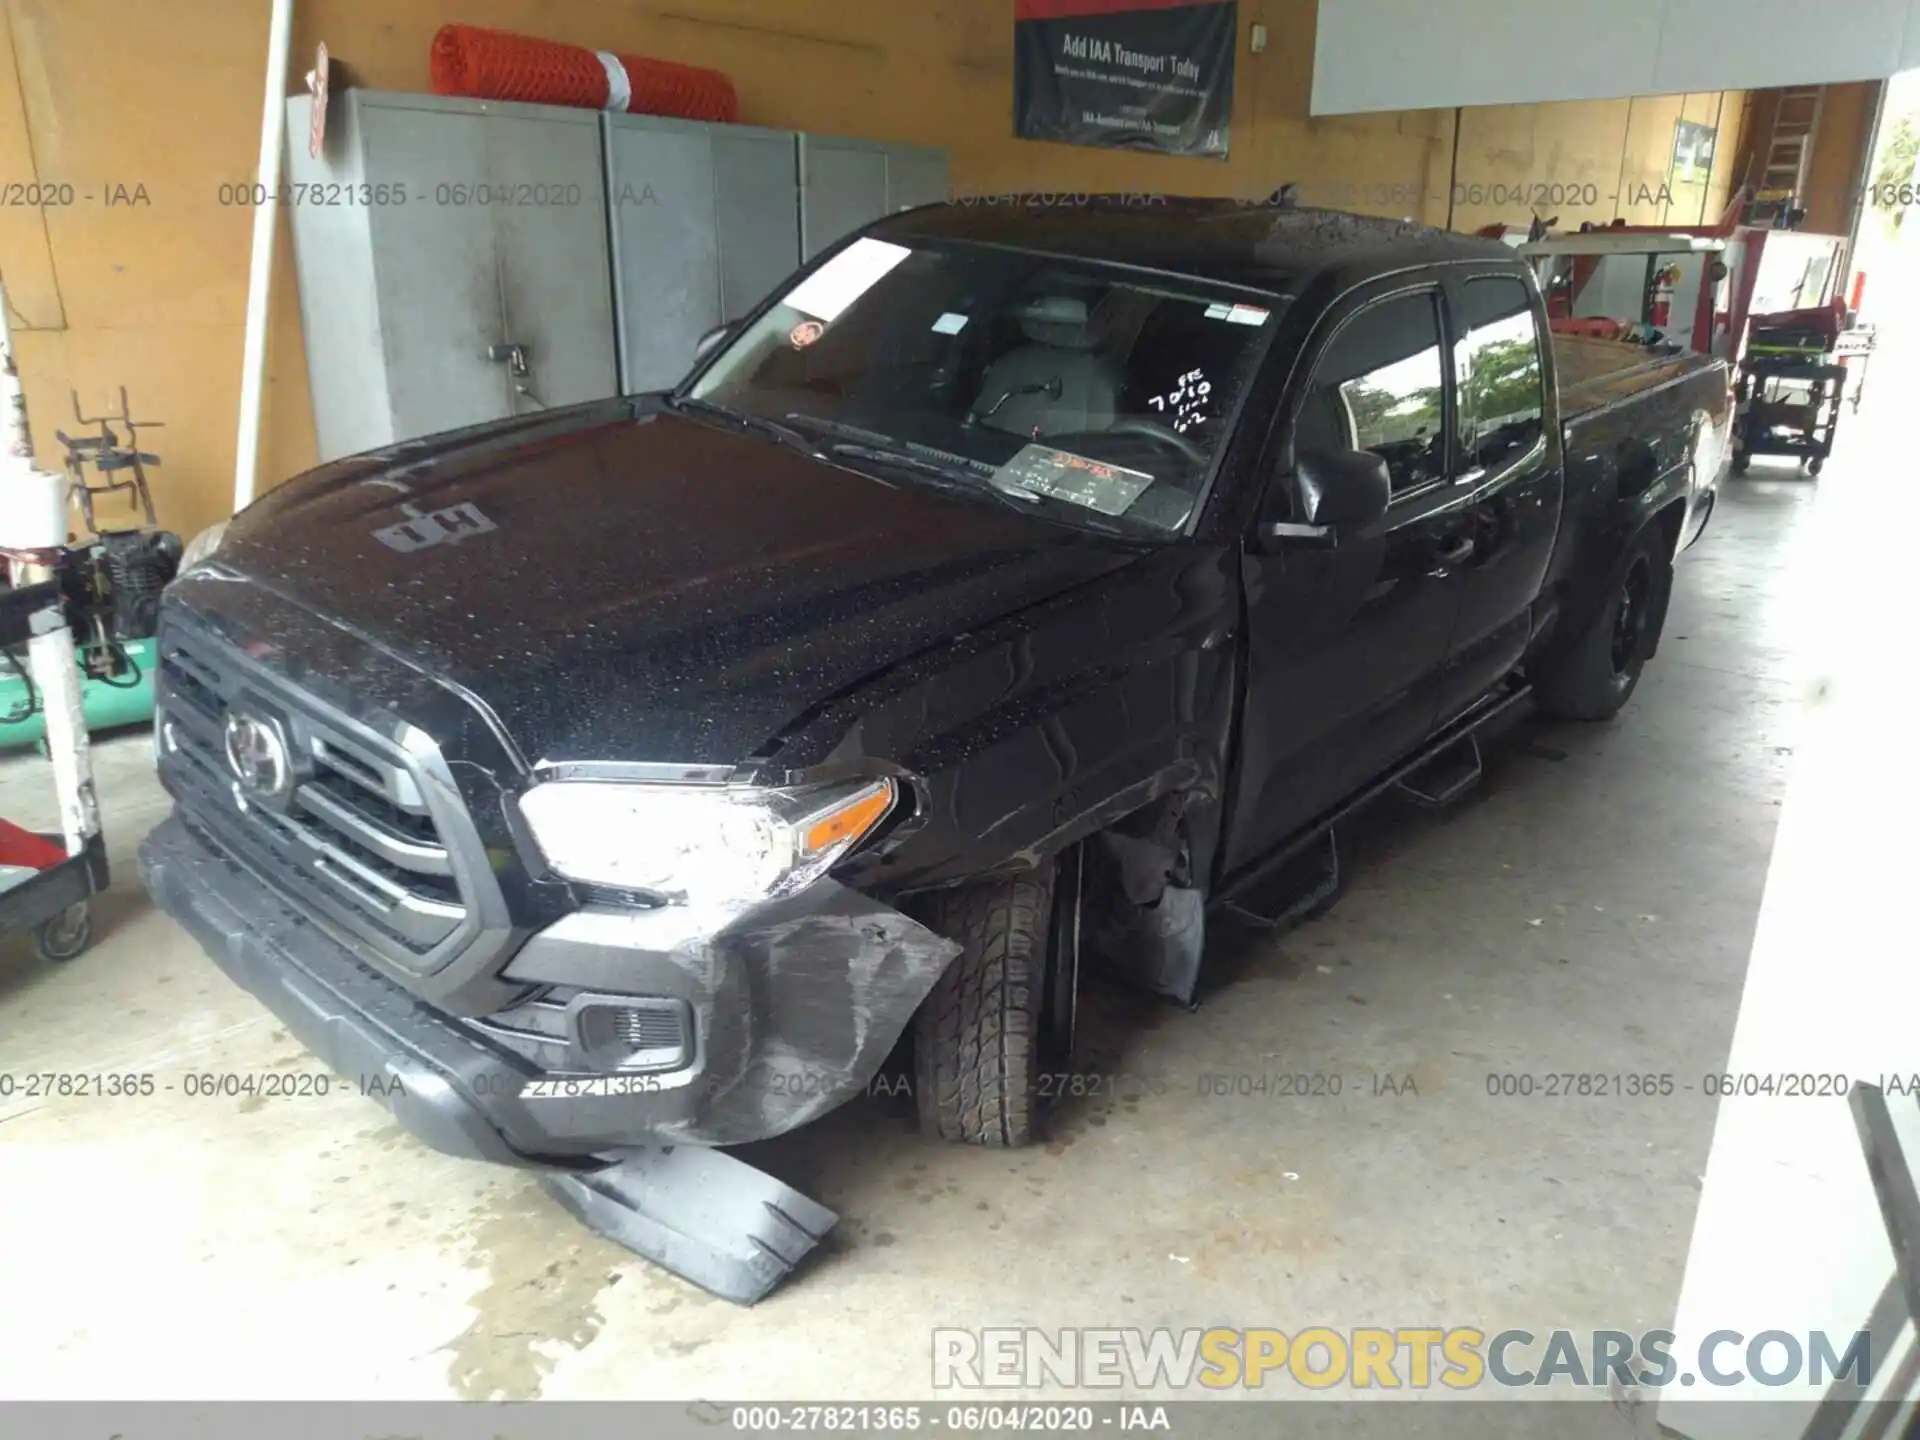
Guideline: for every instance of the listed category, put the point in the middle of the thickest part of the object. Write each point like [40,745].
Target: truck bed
[1596,373]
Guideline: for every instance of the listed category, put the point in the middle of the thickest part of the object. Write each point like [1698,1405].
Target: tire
[1593,677]
[1740,462]
[1816,465]
[65,935]
[975,1036]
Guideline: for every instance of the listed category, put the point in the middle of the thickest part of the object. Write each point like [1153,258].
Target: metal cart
[1855,350]
[46,881]
[47,890]
[1787,405]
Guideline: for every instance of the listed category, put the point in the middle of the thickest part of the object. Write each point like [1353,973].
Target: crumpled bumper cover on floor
[795,1011]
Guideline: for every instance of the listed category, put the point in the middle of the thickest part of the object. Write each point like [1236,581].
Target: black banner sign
[1125,74]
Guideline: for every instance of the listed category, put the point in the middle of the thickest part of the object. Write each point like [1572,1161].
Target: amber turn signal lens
[850,821]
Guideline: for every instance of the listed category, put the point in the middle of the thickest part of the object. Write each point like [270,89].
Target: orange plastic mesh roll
[494,65]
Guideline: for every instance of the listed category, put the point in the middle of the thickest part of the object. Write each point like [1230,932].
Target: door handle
[1454,557]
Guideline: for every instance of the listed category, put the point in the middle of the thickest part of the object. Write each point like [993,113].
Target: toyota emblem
[257,755]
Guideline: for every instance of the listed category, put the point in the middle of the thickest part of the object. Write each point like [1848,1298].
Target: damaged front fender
[1144,915]
[797,1003]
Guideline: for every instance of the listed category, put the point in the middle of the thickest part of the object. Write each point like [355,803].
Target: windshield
[1091,394]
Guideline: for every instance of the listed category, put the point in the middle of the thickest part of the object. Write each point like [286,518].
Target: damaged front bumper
[793,1008]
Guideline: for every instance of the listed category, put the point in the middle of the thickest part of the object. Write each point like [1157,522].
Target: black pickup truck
[1020,583]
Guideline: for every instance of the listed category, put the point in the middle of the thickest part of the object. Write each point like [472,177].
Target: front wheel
[974,1037]
[1593,678]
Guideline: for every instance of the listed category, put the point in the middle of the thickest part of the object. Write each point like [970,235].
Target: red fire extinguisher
[1660,303]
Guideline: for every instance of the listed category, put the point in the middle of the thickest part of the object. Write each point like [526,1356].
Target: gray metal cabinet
[844,184]
[432,234]
[466,260]
[705,221]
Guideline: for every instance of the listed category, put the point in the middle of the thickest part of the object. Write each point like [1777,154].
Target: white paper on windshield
[846,277]
[1062,475]
[950,323]
[1248,315]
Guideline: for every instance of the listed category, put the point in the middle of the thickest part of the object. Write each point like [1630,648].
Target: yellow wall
[1621,150]
[165,94]
[1830,188]
[1834,170]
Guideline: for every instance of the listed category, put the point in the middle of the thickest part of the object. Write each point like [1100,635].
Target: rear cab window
[1500,378]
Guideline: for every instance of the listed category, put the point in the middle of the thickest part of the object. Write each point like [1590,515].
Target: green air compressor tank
[127,700]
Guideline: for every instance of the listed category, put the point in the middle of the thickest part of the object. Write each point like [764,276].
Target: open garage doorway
[1886,263]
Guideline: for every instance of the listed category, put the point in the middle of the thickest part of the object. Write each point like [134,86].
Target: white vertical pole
[57,677]
[50,653]
[16,455]
[253,374]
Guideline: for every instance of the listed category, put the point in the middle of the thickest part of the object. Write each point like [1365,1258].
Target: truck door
[1509,481]
[1346,643]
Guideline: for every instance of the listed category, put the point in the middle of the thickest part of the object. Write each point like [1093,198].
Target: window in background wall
[1693,152]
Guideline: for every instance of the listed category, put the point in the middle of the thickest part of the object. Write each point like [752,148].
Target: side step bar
[1257,877]
[1446,777]
[699,1213]
[1296,891]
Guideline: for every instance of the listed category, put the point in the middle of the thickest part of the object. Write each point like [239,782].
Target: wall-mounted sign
[1125,74]
[1692,152]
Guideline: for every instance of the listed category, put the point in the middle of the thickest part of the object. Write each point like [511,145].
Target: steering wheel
[1161,434]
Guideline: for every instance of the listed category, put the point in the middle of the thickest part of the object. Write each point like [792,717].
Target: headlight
[696,844]
[202,546]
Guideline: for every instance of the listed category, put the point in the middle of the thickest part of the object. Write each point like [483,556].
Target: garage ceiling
[1444,53]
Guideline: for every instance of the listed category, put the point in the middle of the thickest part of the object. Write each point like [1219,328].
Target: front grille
[358,843]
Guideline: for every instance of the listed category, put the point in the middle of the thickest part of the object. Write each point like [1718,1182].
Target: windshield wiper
[955,476]
[907,460]
[889,448]
[837,427]
[765,425]
[964,480]
[860,444]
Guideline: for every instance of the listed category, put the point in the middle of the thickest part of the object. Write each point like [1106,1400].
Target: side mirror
[1339,490]
[705,344]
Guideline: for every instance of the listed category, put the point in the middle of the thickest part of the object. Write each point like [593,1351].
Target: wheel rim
[68,930]
[1630,617]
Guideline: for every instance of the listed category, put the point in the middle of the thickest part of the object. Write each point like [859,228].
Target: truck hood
[619,582]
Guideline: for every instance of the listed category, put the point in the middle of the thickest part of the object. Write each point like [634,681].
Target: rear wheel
[975,1037]
[1593,678]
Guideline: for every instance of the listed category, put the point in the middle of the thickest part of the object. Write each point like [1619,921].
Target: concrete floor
[1590,909]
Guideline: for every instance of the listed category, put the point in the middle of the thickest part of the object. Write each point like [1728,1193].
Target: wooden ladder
[1783,172]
